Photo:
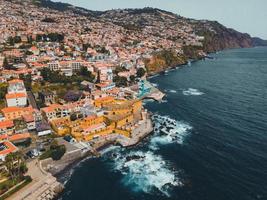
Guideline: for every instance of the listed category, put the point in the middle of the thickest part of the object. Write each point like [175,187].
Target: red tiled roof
[9,148]
[16,95]
[6,124]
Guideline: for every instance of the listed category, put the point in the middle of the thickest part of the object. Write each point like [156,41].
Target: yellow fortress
[119,116]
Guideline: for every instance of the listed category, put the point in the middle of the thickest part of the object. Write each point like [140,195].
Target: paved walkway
[41,187]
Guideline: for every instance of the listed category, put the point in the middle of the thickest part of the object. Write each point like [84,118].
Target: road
[32,99]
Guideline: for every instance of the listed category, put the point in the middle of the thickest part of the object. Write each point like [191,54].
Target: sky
[248,16]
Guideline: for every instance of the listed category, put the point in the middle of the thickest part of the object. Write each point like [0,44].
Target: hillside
[218,37]
[148,32]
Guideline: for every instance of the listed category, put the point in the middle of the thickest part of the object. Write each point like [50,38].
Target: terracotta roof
[3,137]
[90,117]
[16,81]
[51,108]
[93,127]
[6,124]
[28,118]
[105,99]
[20,136]
[16,95]
[9,148]
[16,109]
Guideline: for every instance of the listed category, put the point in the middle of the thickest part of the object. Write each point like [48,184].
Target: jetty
[148,91]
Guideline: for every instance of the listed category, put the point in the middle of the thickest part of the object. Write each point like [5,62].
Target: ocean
[209,142]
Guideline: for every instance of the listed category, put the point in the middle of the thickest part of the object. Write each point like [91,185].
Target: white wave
[153,76]
[173,91]
[193,92]
[170,91]
[109,149]
[145,101]
[164,101]
[155,84]
[145,172]
[167,131]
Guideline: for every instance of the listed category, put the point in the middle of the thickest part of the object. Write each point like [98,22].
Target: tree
[119,69]
[87,75]
[10,41]
[27,79]
[86,46]
[17,39]
[84,71]
[72,96]
[141,72]
[3,90]
[5,63]
[57,151]
[120,81]
[15,165]
[132,78]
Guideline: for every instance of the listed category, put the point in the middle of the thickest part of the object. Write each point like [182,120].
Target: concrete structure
[16,99]
[43,186]
[16,86]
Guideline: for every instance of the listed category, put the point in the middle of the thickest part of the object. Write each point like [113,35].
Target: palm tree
[15,165]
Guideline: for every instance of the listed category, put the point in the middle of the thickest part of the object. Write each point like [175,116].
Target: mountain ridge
[255,41]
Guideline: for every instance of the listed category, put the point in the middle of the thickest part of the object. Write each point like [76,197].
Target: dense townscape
[72,81]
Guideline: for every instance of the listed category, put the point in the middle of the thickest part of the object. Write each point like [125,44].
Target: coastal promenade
[43,186]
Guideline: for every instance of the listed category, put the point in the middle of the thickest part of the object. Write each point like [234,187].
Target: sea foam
[170,91]
[146,172]
[167,131]
[192,92]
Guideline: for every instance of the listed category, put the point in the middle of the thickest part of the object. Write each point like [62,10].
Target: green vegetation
[119,69]
[12,40]
[48,20]
[5,63]
[25,143]
[120,81]
[132,78]
[164,59]
[55,77]
[102,50]
[86,46]
[140,72]
[15,165]
[15,170]
[3,90]
[192,51]
[59,88]
[53,37]
[55,152]
[20,124]
[27,80]
[8,184]
[85,74]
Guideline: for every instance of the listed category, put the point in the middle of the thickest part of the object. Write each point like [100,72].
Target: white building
[16,86]
[17,95]
[16,99]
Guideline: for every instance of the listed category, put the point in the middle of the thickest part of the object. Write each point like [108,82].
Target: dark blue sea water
[215,147]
